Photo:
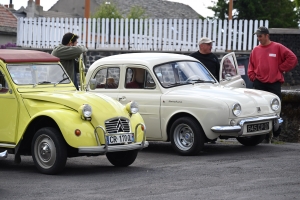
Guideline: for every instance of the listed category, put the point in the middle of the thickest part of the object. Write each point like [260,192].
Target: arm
[70,52]
[251,73]
[289,59]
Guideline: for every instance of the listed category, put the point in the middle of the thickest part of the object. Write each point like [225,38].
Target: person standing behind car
[67,52]
[205,56]
[268,62]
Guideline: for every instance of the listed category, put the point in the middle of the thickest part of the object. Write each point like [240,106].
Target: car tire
[49,151]
[122,158]
[187,136]
[251,141]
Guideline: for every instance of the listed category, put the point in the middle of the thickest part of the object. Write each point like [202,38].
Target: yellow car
[43,115]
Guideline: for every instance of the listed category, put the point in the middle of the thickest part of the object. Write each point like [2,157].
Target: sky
[199,6]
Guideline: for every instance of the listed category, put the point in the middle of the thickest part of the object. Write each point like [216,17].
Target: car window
[3,84]
[108,78]
[180,73]
[228,67]
[28,74]
[137,78]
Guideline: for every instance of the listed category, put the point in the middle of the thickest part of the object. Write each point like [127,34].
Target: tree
[107,10]
[137,12]
[280,13]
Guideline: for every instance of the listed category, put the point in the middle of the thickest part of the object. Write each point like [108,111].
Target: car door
[9,112]
[229,72]
[140,86]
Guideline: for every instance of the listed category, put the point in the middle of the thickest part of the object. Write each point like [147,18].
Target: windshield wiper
[61,81]
[175,84]
[201,81]
[40,83]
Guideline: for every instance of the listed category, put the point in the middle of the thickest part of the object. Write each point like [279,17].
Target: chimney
[37,2]
[6,6]
[11,5]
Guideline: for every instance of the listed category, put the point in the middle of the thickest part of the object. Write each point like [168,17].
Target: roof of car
[18,56]
[148,59]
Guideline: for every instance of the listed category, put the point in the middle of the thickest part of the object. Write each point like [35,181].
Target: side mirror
[93,84]
[228,77]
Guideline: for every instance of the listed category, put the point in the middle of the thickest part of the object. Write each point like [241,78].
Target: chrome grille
[117,125]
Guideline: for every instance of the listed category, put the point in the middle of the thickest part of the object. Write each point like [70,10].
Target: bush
[4,46]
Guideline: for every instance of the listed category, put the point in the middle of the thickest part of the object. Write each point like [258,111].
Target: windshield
[35,74]
[182,73]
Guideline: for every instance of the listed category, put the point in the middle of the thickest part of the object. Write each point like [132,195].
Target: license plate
[257,127]
[120,139]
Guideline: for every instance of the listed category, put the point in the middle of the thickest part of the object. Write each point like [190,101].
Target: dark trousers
[274,88]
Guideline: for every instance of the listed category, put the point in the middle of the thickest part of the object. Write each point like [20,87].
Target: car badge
[258,109]
[120,127]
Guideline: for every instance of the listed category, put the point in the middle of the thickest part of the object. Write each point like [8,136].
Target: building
[8,26]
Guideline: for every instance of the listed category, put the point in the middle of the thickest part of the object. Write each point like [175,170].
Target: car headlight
[132,107]
[86,111]
[275,104]
[236,109]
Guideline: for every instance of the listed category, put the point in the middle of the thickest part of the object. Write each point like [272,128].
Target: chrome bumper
[238,129]
[103,149]
[3,155]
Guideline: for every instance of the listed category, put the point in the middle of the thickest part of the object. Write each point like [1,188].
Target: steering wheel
[193,77]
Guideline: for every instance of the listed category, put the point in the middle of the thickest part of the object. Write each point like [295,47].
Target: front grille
[117,125]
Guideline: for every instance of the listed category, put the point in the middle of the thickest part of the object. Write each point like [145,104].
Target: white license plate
[258,127]
[119,139]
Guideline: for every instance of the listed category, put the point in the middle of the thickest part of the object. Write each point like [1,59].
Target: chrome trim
[3,155]
[272,102]
[103,149]
[233,108]
[222,130]
[7,145]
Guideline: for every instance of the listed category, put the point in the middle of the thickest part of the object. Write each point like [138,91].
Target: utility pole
[230,9]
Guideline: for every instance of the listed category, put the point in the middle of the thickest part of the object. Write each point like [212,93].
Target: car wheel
[187,137]
[251,141]
[49,151]
[122,158]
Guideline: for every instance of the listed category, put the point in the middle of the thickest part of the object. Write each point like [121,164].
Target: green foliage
[107,11]
[280,13]
[137,12]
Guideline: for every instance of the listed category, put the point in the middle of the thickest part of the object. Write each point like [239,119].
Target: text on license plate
[120,139]
[258,127]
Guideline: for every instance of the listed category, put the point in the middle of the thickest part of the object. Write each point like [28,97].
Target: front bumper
[103,149]
[3,155]
[239,130]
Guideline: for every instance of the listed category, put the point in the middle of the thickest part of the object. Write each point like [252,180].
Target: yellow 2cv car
[43,115]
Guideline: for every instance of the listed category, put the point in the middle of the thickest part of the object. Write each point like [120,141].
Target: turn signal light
[142,127]
[77,132]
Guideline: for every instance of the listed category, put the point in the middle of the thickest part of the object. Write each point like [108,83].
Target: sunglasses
[72,38]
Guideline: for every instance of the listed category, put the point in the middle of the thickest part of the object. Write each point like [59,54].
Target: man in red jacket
[268,62]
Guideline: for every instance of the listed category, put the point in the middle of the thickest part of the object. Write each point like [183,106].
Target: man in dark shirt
[206,57]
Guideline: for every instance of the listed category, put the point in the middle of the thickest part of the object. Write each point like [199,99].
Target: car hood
[249,99]
[47,100]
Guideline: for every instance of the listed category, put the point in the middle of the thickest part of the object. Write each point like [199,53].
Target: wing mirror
[228,77]
[93,84]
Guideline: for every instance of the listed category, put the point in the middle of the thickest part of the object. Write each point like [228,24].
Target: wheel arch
[177,116]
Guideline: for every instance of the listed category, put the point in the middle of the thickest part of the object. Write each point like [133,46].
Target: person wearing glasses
[205,56]
[67,52]
[267,63]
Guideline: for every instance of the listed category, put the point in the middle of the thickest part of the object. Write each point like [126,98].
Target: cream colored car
[182,102]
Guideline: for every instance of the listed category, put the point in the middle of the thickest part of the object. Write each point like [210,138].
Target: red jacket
[268,63]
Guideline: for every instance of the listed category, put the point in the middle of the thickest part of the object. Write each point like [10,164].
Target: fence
[134,34]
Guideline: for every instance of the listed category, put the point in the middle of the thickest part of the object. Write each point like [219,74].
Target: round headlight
[275,104]
[87,111]
[236,109]
[132,107]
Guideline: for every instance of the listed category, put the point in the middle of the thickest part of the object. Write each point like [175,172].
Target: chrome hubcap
[183,137]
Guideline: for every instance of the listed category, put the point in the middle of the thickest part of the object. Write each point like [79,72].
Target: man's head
[205,45]
[69,39]
[263,36]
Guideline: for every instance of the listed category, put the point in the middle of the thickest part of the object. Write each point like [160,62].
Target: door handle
[123,98]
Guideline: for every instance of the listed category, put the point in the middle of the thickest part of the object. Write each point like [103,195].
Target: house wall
[4,39]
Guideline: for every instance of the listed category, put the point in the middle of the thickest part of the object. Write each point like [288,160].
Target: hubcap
[183,137]
[45,151]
